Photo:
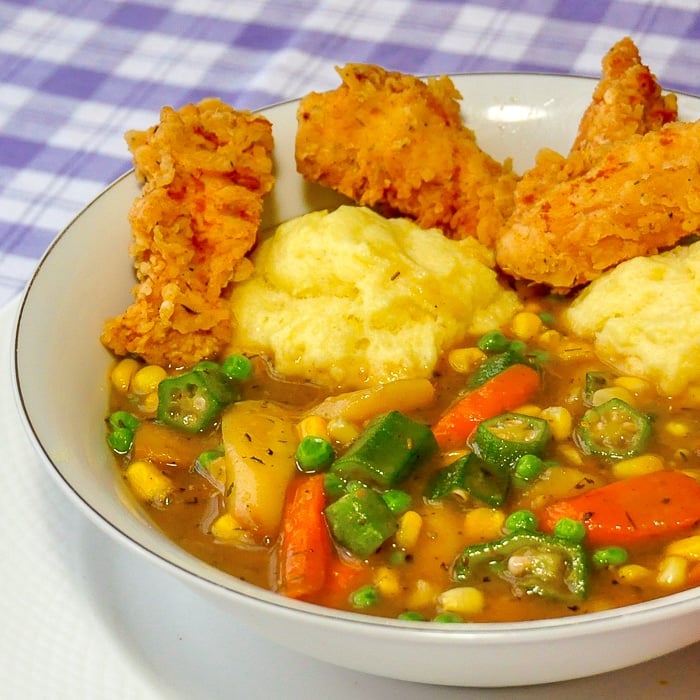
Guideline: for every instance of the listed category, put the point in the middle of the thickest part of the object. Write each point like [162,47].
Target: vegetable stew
[525,480]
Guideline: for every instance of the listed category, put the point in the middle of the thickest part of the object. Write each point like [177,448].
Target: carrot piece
[634,510]
[345,576]
[505,391]
[305,545]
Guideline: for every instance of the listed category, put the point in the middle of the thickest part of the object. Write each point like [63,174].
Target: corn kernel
[526,325]
[688,547]
[672,572]
[149,403]
[146,380]
[635,385]
[450,456]
[549,339]
[636,466]
[422,595]
[465,600]
[677,428]
[342,431]
[387,582]
[569,454]
[123,372]
[228,529]
[149,483]
[410,524]
[483,524]
[612,392]
[529,409]
[559,420]
[633,574]
[313,425]
[464,360]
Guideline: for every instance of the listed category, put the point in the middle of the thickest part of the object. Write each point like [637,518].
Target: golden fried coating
[578,215]
[205,170]
[627,100]
[394,142]
[643,196]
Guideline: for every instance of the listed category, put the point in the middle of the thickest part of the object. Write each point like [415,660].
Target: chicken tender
[394,142]
[569,222]
[627,100]
[205,170]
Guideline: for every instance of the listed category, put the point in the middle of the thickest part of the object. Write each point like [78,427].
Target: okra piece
[470,475]
[503,440]
[533,563]
[613,430]
[361,521]
[388,450]
[194,400]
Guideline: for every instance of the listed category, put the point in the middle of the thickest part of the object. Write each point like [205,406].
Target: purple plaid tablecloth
[76,74]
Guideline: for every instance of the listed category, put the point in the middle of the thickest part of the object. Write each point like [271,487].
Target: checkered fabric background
[76,74]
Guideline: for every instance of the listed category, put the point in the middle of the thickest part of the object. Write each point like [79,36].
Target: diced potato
[363,404]
[260,442]
[556,483]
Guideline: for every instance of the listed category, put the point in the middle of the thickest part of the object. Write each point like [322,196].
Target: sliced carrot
[505,391]
[346,576]
[305,545]
[634,510]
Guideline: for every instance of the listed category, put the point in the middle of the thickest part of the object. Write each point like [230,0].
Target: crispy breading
[205,170]
[627,100]
[392,141]
[576,216]
[642,197]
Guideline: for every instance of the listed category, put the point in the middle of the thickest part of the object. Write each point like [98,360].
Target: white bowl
[60,380]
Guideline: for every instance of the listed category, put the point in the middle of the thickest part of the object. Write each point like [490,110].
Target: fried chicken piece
[205,170]
[642,197]
[394,142]
[568,225]
[627,100]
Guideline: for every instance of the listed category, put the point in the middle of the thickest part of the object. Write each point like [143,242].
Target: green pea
[528,467]
[547,318]
[493,341]
[237,367]
[124,419]
[364,597]
[448,617]
[609,556]
[411,615]
[397,500]
[521,520]
[570,529]
[121,440]
[314,454]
